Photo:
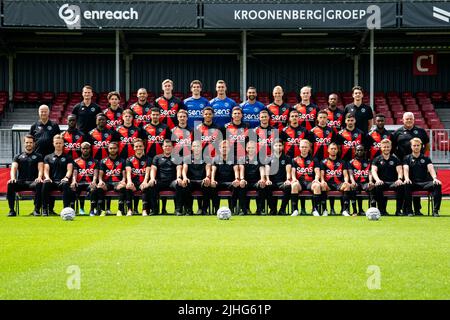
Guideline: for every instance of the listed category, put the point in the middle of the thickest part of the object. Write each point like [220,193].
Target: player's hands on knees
[261,183]
[213,183]
[242,183]
[73,186]
[408,181]
[186,182]
[206,182]
[12,181]
[268,183]
[130,186]
[287,183]
[236,183]
[92,185]
[398,182]
[436,181]
[379,182]
[38,180]
[152,182]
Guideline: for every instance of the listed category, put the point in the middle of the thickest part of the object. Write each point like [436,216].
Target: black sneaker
[12,214]
[410,214]
[303,212]
[36,213]
[164,211]
[243,213]
[200,212]
[189,212]
[332,212]
[52,213]
[399,213]
[435,213]
[179,213]
[281,213]
[418,213]
[45,213]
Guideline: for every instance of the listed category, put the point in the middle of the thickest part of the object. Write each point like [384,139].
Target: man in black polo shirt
[420,175]
[30,166]
[58,169]
[387,172]
[86,111]
[43,132]
[362,112]
[401,144]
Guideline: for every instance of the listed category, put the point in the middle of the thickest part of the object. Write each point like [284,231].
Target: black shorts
[362,187]
[166,185]
[110,186]
[334,186]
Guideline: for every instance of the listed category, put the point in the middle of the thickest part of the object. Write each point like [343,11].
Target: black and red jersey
[335,118]
[279,115]
[236,135]
[374,138]
[113,118]
[85,169]
[334,170]
[182,139]
[138,167]
[72,142]
[320,138]
[142,114]
[169,109]
[210,136]
[304,168]
[264,137]
[155,135]
[307,115]
[126,138]
[100,140]
[348,140]
[113,169]
[292,137]
[360,170]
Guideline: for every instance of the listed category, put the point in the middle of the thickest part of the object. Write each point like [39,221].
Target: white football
[67,214]
[224,213]
[373,214]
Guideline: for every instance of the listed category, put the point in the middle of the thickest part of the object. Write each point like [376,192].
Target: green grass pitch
[250,257]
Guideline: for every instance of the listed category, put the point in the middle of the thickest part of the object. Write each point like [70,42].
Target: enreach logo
[441,14]
[71,14]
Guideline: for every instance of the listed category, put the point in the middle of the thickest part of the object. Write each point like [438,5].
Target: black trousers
[166,186]
[91,194]
[188,200]
[382,200]
[24,186]
[436,190]
[253,186]
[236,193]
[47,187]
[273,200]
[110,187]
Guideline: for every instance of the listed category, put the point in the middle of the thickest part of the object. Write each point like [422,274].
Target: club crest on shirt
[391,162]
[92,109]
[422,161]
[63,159]
[363,110]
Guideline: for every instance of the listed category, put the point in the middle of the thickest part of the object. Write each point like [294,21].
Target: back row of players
[252,121]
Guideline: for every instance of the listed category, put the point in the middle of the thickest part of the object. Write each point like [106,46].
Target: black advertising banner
[79,15]
[426,14]
[300,16]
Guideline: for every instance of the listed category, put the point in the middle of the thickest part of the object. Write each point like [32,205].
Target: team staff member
[114,112]
[195,104]
[335,115]
[292,134]
[305,176]
[278,177]
[73,138]
[166,174]
[26,173]
[137,168]
[334,177]
[155,133]
[222,105]
[252,175]
[362,112]
[111,176]
[306,109]
[359,170]
[141,109]
[278,109]
[225,175]
[387,172]
[169,105]
[251,108]
[127,133]
[420,175]
[321,136]
[375,136]
[86,111]
[101,137]
[84,178]
[196,176]
[208,133]
[43,132]
[58,169]
[350,137]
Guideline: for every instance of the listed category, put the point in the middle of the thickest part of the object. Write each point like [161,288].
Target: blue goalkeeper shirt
[222,110]
[251,113]
[194,108]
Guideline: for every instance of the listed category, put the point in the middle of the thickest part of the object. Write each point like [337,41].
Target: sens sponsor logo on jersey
[86,172]
[221,112]
[74,145]
[251,117]
[304,171]
[168,113]
[195,113]
[294,140]
[265,141]
[139,172]
[209,138]
[114,172]
[307,116]
[155,139]
[323,140]
[101,144]
[183,142]
[352,143]
[114,123]
[336,173]
[237,137]
[143,117]
[127,140]
[279,117]
[360,173]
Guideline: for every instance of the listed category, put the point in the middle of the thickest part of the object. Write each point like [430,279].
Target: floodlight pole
[244,64]
[372,73]
[117,61]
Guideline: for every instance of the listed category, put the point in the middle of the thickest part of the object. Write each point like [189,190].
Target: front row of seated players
[140,173]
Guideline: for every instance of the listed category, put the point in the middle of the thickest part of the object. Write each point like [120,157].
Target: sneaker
[45,213]
[108,212]
[144,213]
[135,213]
[92,214]
[435,213]
[418,213]
[81,212]
[129,213]
[281,213]
[303,212]
[12,214]
[104,213]
[52,213]
[36,213]
[345,213]
[325,213]
[316,213]
[410,214]
[199,212]
[179,213]
[119,213]
[332,212]
[189,212]
[295,213]
[361,213]
[164,211]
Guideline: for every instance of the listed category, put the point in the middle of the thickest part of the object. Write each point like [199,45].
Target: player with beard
[321,136]
[236,133]
[141,109]
[73,138]
[278,109]
[111,176]
[334,177]
[101,137]
[169,105]
[375,136]
[182,135]
[305,176]
[335,115]
[155,133]
[114,112]
[306,109]
[292,134]
[84,178]
[251,108]
[359,170]
[350,137]
[208,133]
[265,136]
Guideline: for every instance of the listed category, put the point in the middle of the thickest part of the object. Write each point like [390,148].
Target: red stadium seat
[422,94]
[411,107]
[437,96]
[389,121]
[391,94]
[447,96]
[427,107]
[379,94]
[397,107]
[19,96]
[32,97]
[407,94]
[47,96]
[398,114]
